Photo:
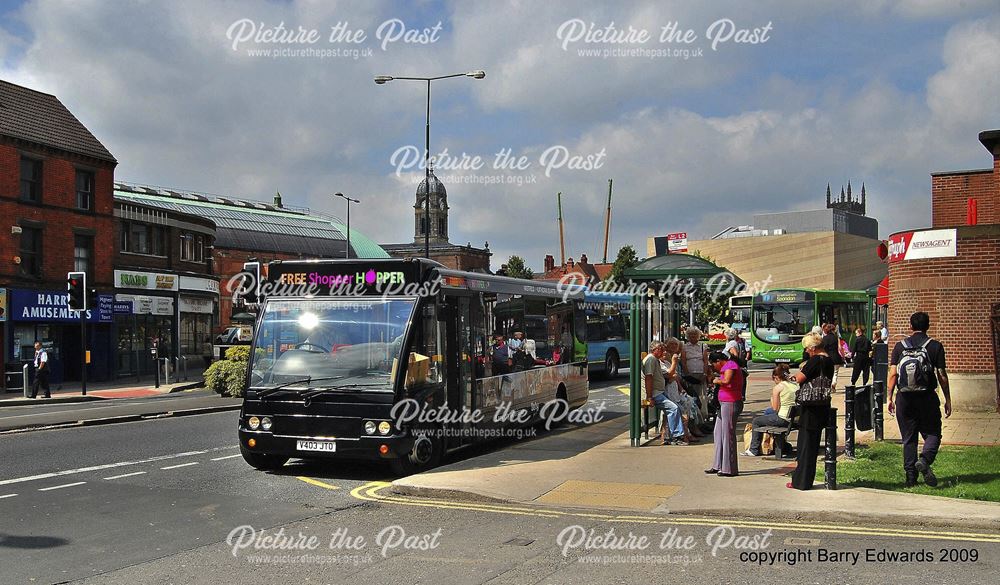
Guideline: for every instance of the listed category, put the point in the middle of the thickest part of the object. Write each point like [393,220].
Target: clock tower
[438,217]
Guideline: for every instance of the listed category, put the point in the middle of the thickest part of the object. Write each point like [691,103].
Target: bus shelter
[662,287]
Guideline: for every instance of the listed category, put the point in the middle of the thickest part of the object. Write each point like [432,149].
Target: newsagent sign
[923,244]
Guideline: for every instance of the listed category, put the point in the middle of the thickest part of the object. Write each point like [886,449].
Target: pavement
[109,403]
[594,466]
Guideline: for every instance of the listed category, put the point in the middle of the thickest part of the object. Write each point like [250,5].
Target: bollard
[830,468]
[166,371]
[156,373]
[184,360]
[24,380]
[878,422]
[849,421]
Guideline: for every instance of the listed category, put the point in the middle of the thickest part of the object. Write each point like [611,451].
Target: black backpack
[915,372]
[741,354]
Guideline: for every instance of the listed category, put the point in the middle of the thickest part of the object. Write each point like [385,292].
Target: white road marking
[112,465]
[125,475]
[226,457]
[59,487]
[181,465]
[7,496]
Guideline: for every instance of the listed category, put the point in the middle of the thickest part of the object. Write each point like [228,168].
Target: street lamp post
[348,200]
[383,79]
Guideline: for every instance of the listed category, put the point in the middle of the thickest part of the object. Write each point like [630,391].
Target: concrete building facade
[832,248]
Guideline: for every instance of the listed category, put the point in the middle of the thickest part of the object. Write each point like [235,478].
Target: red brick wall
[228,263]
[58,213]
[957,294]
[950,194]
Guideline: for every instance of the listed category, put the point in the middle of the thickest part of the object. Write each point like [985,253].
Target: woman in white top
[694,361]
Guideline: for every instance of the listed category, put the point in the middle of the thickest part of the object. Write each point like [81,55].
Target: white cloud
[693,145]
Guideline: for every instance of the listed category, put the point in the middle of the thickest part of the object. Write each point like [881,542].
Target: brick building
[57,215]
[165,291]
[952,272]
[252,230]
[582,272]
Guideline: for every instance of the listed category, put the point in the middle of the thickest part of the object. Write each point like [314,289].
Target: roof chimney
[569,262]
[583,258]
[549,263]
[277,199]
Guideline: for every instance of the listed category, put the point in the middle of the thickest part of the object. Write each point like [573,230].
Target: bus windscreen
[783,322]
[350,343]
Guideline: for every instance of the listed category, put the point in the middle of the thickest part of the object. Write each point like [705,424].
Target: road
[154,501]
[44,413]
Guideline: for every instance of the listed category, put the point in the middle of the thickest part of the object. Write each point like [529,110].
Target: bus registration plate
[328,446]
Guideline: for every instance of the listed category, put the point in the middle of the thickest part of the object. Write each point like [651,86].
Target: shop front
[198,308]
[169,312]
[42,315]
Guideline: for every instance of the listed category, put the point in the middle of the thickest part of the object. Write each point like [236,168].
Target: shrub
[238,353]
[228,376]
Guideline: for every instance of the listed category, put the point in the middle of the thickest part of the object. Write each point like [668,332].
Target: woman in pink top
[730,382]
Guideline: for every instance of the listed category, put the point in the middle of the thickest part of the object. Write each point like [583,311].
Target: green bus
[780,318]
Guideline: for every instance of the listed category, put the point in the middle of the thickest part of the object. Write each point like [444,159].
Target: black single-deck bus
[398,360]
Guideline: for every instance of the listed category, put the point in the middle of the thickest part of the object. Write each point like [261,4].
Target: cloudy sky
[702,113]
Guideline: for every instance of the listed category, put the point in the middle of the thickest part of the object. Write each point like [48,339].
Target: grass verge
[971,473]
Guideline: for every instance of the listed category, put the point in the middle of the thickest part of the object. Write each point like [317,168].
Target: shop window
[85,190]
[31,251]
[31,180]
[83,253]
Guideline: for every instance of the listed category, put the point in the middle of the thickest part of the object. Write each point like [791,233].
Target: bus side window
[427,346]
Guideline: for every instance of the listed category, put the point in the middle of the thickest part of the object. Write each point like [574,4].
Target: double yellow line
[375,492]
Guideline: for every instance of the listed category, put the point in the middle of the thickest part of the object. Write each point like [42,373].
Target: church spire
[842,194]
[828,194]
[863,204]
[849,198]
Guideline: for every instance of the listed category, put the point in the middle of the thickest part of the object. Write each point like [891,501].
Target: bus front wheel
[426,454]
[261,461]
[611,365]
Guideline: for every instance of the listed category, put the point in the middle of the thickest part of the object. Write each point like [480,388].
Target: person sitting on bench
[782,400]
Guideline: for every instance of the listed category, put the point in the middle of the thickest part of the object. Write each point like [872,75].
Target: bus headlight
[254,423]
[384,427]
[265,423]
[369,427]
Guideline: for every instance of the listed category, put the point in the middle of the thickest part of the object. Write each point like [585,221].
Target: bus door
[562,332]
[463,356]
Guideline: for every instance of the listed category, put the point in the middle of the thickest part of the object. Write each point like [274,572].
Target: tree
[709,306]
[627,258]
[516,268]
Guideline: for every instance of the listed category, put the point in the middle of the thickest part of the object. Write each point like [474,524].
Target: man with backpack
[916,368]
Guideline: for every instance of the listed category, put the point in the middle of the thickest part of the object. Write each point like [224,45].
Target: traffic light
[76,285]
[248,290]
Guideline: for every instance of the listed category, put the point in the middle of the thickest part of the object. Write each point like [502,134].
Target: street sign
[677,243]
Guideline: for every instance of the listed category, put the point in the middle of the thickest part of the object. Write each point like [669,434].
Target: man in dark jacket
[861,356]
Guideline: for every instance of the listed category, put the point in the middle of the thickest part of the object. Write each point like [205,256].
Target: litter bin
[13,381]
[863,402]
